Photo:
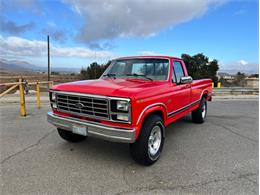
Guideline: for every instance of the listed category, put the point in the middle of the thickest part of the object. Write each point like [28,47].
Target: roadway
[217,157]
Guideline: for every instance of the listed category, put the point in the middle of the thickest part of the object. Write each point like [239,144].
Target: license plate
[81,130]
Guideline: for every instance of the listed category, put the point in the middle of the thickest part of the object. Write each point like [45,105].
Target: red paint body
[164,97]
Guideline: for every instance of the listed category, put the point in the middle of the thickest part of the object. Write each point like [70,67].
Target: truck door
[180,92]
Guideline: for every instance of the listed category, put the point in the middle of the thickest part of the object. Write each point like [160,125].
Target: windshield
[146,68]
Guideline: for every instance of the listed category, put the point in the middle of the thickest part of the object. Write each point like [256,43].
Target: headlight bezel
[115,110]
[52,96]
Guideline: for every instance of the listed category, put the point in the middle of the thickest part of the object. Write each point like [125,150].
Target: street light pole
[48,42]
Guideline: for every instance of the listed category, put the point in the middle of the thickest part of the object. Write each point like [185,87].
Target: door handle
[186,87]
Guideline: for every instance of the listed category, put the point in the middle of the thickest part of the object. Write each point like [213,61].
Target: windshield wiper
[139,75]
[110,75]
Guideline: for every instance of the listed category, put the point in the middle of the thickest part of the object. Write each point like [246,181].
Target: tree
[254,76]
[240,79]
[199,66]
[93,71]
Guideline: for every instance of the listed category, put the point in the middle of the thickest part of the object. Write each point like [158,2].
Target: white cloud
[33,6]
[121,18]
[240,66]
[20,47]
[242,62]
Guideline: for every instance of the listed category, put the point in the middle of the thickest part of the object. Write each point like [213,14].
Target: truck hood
[109,87]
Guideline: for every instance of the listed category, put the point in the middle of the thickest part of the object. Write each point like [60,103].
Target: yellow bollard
[212,85]
[38,95]
[219,84]
[22,99]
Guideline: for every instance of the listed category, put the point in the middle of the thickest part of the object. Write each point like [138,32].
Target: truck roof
[151,56]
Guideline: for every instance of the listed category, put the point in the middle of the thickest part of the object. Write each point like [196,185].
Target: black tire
[140,149]
[197,115]
[70,137]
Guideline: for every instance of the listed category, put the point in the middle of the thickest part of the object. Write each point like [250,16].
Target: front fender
[149,110]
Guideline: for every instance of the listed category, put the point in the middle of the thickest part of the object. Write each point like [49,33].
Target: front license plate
[81,130]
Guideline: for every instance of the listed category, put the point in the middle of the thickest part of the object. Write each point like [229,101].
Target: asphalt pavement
[217,157]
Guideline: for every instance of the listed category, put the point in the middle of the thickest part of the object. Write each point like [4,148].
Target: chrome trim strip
[90,95]
[110,136]
[187,106]
[202,93]
[147,107]
[183,108]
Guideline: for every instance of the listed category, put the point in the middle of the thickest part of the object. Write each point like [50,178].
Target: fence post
[50,84]
[22,99]
[38,94]
[212,85]
[219,84]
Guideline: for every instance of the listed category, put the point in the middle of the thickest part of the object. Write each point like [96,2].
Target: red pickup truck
[132,102]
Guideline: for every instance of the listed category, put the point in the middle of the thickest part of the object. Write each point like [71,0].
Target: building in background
[252,82]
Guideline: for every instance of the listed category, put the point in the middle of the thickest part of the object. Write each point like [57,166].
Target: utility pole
[48,42]
[95,64]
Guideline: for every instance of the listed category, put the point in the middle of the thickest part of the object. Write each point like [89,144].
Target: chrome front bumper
[98,130]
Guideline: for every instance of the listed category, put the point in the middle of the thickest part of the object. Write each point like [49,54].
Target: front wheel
[147,149]
[199,115]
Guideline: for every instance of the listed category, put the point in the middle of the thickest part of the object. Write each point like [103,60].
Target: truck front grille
[83,105]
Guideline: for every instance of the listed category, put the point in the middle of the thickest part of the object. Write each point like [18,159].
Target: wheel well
[205,95]
[159,113]
[156,112]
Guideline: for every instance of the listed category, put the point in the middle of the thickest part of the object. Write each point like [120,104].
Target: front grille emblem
[79,105]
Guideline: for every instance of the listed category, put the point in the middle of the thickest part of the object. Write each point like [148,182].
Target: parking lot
[217,157]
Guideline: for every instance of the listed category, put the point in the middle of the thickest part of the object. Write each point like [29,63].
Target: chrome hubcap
[204,110]
[155,140]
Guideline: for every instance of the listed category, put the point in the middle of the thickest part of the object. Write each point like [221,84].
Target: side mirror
[186,80]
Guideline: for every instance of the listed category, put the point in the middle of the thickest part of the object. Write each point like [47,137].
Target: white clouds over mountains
[121,18]
[20,47]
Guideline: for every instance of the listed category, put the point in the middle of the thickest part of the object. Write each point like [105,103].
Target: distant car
[132,102]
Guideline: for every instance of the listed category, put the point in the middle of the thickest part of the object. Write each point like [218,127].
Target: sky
[84,31]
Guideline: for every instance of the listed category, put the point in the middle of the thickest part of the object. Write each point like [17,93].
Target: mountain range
[19,65]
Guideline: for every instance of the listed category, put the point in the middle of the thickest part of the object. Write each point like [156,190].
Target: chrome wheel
[204,110]
[155,140]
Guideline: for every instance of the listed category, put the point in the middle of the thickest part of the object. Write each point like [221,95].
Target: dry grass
[7,76]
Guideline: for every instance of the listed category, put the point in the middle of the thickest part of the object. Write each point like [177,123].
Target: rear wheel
[147,149]
[70,137]
[199,115]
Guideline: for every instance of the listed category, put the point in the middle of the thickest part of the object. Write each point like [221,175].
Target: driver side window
[178,71]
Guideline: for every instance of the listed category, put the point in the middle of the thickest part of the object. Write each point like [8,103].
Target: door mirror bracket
[186,80]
